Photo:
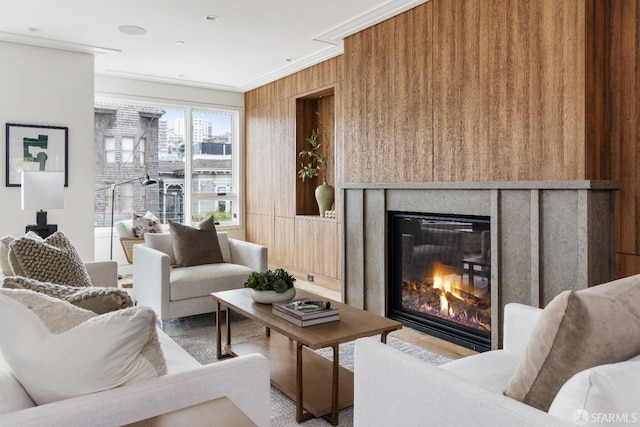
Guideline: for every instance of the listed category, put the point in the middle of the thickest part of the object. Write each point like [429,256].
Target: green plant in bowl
[271,280]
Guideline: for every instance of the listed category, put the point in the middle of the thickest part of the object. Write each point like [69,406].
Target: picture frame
[36,147]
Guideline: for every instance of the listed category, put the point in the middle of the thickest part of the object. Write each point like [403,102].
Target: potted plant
[271,286]
[317,166]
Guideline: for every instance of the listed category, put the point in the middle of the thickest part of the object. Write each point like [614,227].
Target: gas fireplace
[440,275]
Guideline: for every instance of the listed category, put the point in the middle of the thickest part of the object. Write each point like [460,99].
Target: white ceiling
[246,48]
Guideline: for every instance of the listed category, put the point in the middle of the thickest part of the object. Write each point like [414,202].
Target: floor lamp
[146,181]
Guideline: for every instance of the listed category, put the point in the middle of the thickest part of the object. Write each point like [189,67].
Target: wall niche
[314,111]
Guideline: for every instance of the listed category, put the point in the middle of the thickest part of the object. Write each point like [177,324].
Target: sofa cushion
[143,224]
[53,259]
[195,245]
[14,396]
[490,370]
[604,389]
[161,242]
[577,331]
[108,350]
[97,299]
[201,280]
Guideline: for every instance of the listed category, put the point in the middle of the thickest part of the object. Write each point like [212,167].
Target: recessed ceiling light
[34,29]
[182,76]
[212,18]
[132,30]
[180,42]
[291,60]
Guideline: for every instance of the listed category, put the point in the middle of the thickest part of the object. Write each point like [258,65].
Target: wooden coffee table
[319,386]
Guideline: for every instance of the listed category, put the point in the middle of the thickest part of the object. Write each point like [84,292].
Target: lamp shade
[42,190]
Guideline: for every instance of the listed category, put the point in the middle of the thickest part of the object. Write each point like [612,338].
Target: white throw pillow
[100,353]
[603,394]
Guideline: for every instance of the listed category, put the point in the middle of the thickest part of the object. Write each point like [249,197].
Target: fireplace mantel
[547,236]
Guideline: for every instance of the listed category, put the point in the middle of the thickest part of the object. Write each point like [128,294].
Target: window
[109,150]
[127,150]
[196,166]
[143,153]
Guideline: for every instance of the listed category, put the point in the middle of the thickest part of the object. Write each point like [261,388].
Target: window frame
[237,158]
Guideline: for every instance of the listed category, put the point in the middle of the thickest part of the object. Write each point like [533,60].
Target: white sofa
[465,392]
[185,291]
[244,380]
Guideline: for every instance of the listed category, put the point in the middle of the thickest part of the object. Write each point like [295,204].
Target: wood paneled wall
[301,244]
[625,131]
[462,90]
[468,91]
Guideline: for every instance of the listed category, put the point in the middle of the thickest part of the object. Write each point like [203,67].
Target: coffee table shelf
[316,369]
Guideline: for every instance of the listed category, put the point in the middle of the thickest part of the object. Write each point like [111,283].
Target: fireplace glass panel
[440,275]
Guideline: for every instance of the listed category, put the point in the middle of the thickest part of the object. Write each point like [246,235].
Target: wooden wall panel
[625,126]
[461,90]
[271,175]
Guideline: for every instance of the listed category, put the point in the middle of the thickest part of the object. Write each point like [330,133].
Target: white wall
[117,88]
[51,87]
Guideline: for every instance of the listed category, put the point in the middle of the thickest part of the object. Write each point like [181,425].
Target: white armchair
[184,291]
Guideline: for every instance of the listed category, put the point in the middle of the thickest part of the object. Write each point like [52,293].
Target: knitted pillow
[147,223]
[195,246]
[97,299]
[72,351]
[52,260]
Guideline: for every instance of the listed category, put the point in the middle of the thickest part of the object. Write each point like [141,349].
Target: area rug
[196,334]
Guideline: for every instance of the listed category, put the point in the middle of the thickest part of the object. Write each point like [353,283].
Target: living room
[446,92]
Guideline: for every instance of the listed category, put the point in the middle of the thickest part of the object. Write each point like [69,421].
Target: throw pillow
[52,260]
[577,331]
[97,299]
[604,389]
[195,245]
[109,350]
[161,242]
[5,267]
[147,223]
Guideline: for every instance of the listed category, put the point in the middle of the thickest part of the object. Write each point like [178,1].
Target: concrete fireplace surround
[546,236]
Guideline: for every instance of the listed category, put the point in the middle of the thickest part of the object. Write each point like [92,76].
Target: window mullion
[188,164]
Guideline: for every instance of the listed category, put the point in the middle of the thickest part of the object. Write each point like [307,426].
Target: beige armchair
[174,292]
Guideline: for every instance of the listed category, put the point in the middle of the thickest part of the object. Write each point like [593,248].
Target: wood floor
[419,339]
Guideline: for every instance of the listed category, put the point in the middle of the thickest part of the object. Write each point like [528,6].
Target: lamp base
[41,219]
[43,232]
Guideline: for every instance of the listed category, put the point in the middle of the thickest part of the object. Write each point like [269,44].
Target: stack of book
[306,312]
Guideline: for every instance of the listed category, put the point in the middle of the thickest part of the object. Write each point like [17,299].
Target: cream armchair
[174,292]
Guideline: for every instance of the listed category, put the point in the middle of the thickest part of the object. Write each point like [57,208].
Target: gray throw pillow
[576,331]
[52,260]
[195,246]
[97,299]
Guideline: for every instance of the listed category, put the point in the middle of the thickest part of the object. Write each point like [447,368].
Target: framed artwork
[36,148]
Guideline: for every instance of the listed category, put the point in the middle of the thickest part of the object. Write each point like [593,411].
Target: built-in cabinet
[282,212]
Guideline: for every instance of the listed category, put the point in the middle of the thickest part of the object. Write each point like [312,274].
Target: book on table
[306,312]
[305,308]
[307,322]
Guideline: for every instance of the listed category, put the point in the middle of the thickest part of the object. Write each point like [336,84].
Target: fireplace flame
[447,284]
